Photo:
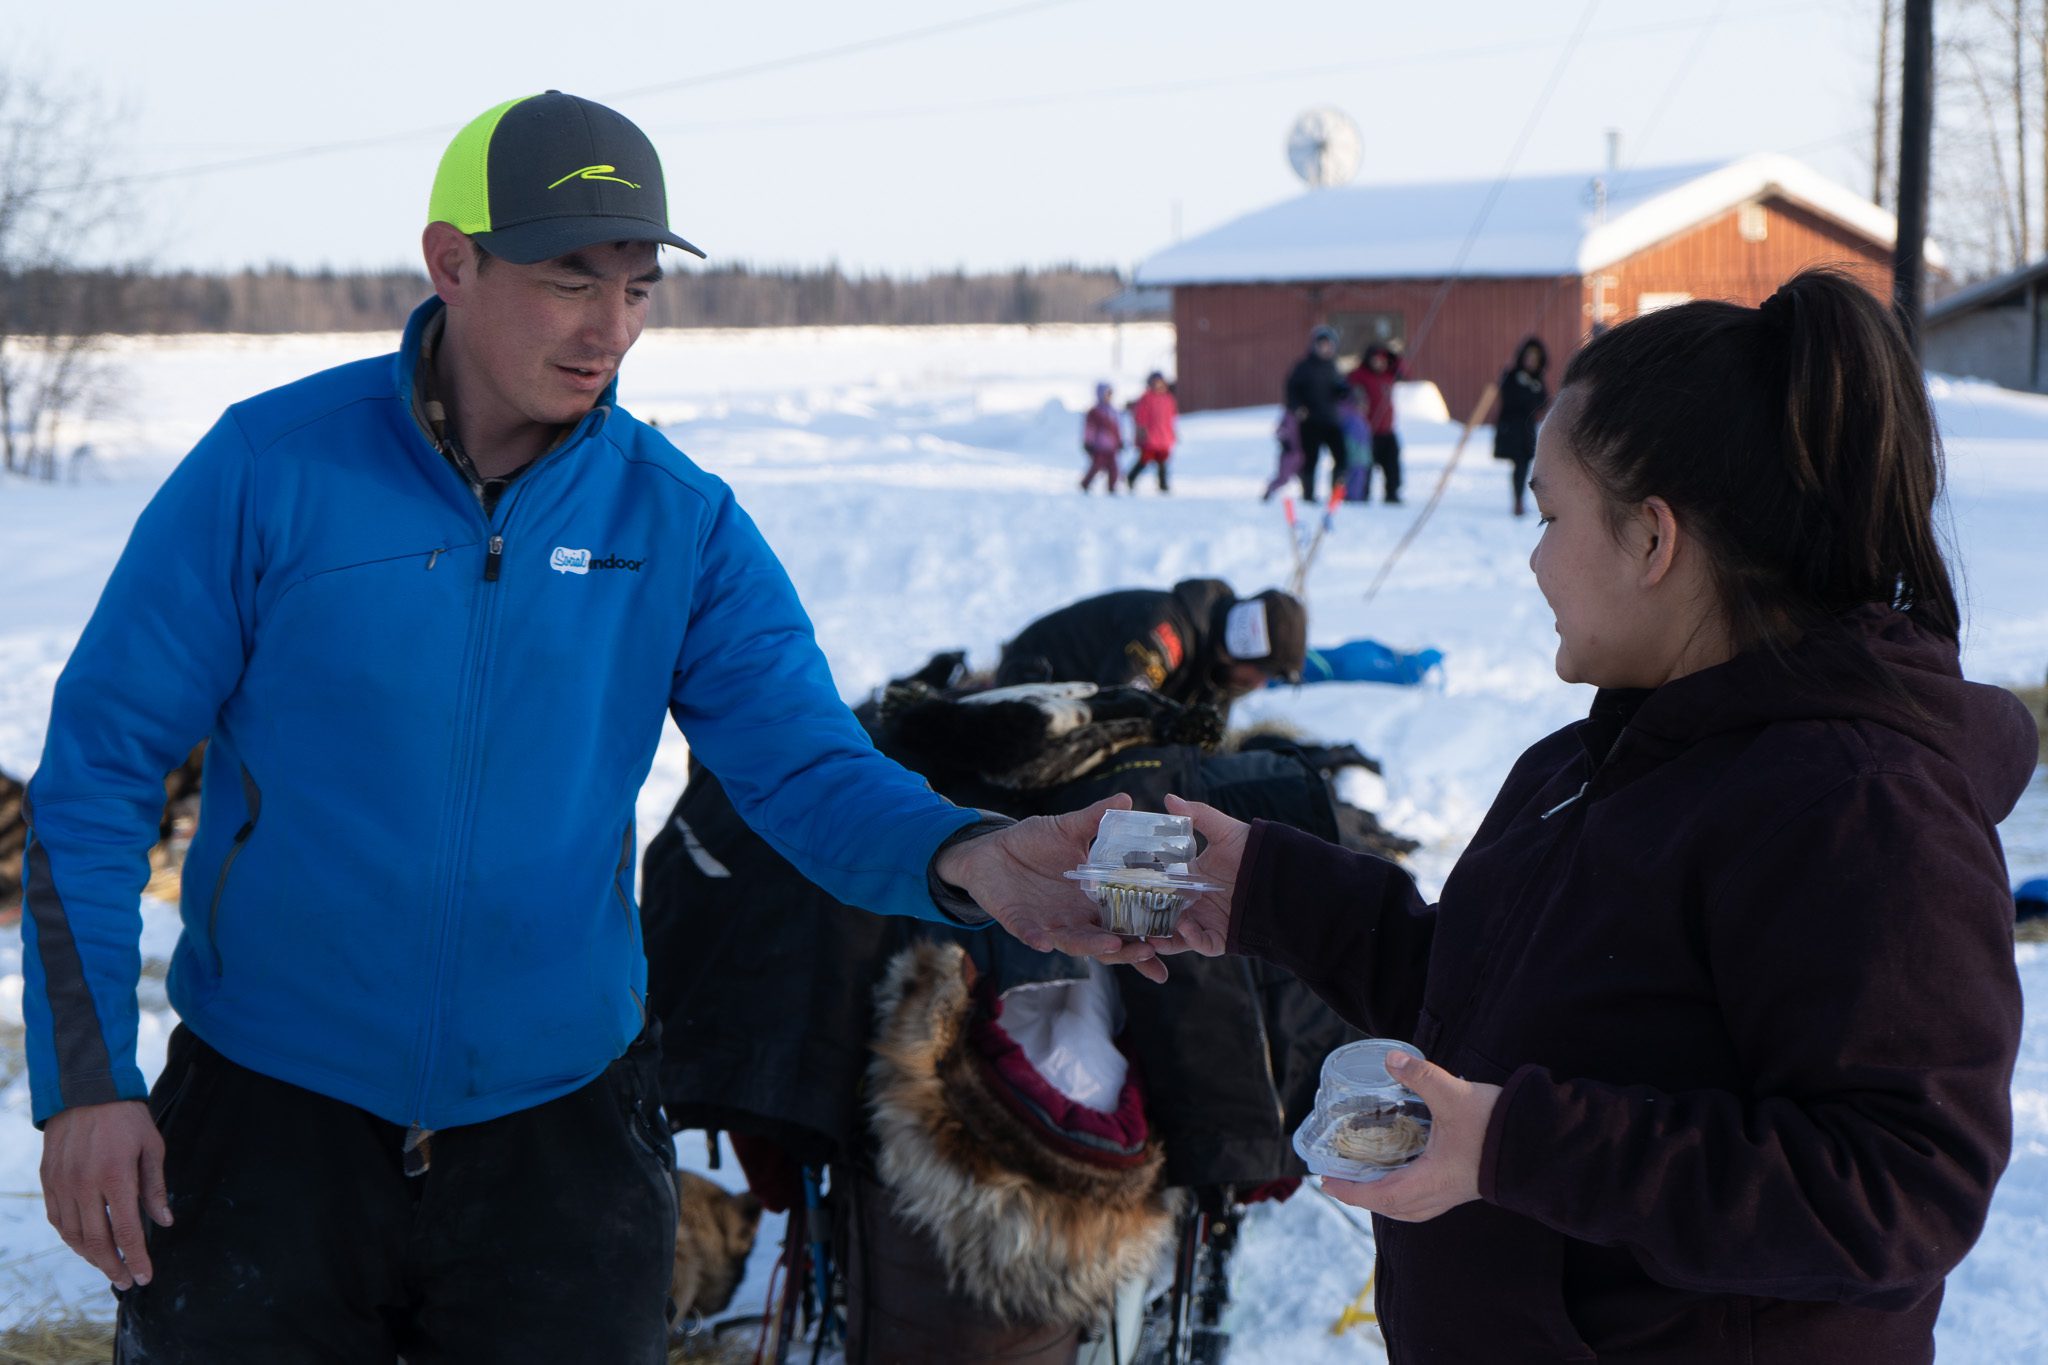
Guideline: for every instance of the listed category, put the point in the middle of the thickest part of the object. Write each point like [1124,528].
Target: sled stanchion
[1293,539]
[1304,559]
[817,1235]
[1359,1312]
[1436,495]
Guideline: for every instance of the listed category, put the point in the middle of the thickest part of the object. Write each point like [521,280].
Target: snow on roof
[1539,226]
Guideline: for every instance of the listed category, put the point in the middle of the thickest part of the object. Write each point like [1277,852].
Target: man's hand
[1447,1173]
[103,1165]
[1014,874]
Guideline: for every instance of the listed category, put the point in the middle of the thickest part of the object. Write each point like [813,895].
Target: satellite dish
[1324,147]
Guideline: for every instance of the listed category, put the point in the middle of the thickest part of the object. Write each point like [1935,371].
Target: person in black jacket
[1197,644]
[1522,395]
[1314,389]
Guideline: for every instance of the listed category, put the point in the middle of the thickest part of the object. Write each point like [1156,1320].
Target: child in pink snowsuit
[1289,432]
[1101,437]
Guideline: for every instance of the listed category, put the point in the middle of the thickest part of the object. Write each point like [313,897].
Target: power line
[1187,86]
[1198,84]
[686,83]
[1507,170]
[840,50]
[1457,268]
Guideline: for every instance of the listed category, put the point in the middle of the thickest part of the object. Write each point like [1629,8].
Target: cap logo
[595,173]
[1244,631]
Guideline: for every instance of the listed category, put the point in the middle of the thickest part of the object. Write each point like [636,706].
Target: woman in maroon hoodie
[1720,1001]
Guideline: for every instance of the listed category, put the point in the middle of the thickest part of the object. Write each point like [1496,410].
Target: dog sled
[877,1077]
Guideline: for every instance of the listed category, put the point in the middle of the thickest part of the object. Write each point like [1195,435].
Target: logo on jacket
[566,560]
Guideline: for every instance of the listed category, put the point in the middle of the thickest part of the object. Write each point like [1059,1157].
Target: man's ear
[1656,530]
[451,260]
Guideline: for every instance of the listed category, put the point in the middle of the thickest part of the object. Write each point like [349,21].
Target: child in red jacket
[1374,381]
[1154,416]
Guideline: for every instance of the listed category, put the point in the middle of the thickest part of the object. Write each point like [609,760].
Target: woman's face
[1532,359]
[1608,633]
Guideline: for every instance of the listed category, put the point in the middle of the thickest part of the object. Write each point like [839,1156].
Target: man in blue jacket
[429,610]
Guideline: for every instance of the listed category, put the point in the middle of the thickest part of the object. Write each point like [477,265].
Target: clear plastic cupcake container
[1138,872]
[1365,1124]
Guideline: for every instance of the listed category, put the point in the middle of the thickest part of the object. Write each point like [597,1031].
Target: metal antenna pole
[1916,127]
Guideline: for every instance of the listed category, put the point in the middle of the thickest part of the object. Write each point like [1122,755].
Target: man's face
[1241,679]
[1326,348]
[536,345]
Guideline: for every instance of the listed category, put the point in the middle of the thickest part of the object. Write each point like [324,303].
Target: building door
[1356,331]
[2039,298]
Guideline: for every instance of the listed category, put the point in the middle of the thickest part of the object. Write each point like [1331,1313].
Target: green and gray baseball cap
[547,174]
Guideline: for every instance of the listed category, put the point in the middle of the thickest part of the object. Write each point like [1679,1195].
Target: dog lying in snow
[714,1234]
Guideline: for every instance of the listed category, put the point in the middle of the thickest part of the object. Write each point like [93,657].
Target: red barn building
[1555,255]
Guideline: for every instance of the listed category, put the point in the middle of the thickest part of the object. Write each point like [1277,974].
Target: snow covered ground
[920,486]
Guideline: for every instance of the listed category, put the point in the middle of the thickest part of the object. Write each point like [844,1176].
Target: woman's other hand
[1447,1173]
[1205,925]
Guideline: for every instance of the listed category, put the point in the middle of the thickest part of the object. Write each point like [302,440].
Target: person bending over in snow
[1198,644]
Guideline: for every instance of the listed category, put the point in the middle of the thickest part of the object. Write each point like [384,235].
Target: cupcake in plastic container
[1365,1123]
[1138,872]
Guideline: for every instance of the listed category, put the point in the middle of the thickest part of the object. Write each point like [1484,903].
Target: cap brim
[530,243]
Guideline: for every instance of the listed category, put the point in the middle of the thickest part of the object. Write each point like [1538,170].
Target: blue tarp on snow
[1369,661]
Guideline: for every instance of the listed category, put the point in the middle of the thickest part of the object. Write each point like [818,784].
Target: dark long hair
[1794,440]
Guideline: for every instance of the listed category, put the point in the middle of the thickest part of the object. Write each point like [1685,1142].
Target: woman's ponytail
[1793,439]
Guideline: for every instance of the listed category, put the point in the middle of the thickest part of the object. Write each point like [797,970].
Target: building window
[1752,222]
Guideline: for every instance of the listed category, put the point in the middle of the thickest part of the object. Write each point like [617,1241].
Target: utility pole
[1883,103]
[1916,128]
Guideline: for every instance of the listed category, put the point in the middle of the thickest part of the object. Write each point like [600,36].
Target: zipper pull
[419,1150]
[1567,801]
[431,558]
[493,558]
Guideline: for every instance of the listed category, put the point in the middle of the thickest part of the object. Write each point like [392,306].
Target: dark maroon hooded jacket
[1740,952]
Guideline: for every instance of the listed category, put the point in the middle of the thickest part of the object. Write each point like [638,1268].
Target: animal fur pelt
[1038,735]
[714,1235]
[1033,1235]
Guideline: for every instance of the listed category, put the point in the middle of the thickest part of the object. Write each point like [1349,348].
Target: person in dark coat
[1196,644]
[1314,388]
[1374,381]
[1720,1001]
[1522,395]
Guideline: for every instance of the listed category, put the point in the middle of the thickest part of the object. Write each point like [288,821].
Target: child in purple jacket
[1289,434]
[1101,438]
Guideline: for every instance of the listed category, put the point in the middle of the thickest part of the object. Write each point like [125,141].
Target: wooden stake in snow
[1436,495]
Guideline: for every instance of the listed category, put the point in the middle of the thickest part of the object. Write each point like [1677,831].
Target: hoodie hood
[1878,667]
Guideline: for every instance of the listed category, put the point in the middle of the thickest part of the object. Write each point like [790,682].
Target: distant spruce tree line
[281,299]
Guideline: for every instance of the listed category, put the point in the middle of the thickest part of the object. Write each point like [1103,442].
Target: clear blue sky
[1063,130]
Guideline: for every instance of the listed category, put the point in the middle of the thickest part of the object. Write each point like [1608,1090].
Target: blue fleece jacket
[412,883]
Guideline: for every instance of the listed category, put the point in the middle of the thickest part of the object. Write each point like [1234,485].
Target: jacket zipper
[1473,1003]
[626,905]
[252,797]
[417,1149]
